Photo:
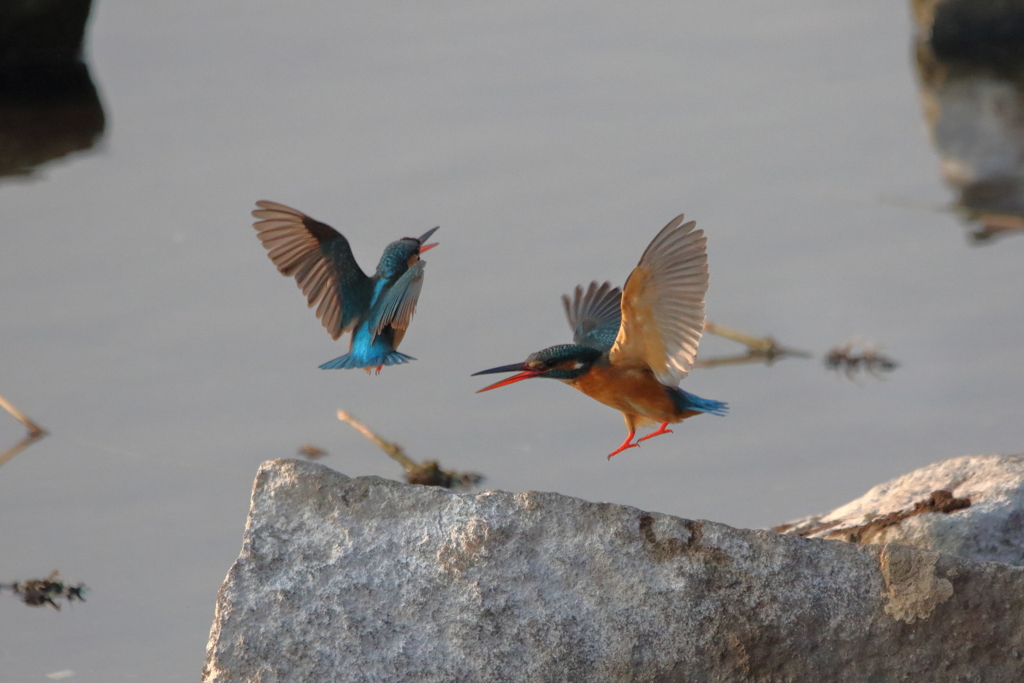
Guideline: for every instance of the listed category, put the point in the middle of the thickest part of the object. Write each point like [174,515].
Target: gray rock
[369,580]
[972,506]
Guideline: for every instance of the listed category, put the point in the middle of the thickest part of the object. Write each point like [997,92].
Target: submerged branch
[39,592]
[845,358]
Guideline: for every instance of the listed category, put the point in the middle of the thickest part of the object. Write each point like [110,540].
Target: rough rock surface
[370,580]
[971,506]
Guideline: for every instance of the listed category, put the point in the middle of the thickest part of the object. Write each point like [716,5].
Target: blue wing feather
[594,315]
[396,304]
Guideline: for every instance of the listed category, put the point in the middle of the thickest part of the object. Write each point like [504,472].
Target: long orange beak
[525,374]
[427,247]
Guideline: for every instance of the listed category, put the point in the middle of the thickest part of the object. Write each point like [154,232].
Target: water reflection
[35,432]
[970,65]
[49,106]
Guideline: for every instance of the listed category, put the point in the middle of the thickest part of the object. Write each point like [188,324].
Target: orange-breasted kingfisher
[376,310]
[633,346]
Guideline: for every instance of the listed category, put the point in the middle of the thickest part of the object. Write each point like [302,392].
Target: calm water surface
[145,328]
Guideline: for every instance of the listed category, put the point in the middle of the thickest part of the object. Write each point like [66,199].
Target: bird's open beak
[523,374]
[426,236]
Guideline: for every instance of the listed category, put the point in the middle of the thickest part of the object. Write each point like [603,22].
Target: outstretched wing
[594,315]
[398,303]
[320,259]
[663,304]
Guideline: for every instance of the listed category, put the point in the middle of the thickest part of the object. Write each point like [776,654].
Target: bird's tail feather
[687,401]
[350,361]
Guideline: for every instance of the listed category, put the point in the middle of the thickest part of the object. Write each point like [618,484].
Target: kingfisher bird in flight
[631,347]
[376,310]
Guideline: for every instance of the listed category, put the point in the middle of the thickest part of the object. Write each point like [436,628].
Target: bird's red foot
[625,444]
[661,430]
[370,369]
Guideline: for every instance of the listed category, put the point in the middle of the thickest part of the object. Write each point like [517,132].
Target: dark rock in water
[47,111]
[979,31]
[42,31]
[49,107]
[970,62]
[369,580]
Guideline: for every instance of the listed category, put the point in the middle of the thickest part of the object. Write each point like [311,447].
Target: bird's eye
[577,365]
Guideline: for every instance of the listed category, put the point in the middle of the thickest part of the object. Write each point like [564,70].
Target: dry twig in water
[760,348]
[311,452]
[427,474]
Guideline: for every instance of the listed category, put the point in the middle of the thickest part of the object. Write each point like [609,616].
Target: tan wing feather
[663,304]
